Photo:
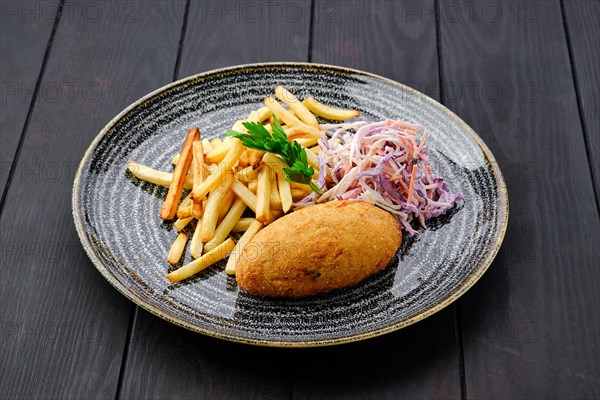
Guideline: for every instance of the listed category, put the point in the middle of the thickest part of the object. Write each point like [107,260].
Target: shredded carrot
[422,144]
[411,187]
[409,149]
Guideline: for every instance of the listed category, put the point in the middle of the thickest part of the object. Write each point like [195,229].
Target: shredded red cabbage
[384,163]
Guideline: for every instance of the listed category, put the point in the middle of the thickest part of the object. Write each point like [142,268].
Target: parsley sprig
[292,153]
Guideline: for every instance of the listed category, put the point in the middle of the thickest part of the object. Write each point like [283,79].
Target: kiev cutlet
[317,249]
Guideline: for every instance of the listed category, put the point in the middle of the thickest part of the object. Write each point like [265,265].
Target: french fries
[198,176]
[223,230]
[225,167]
[254,227]
[243,224]
[329,112]
[259,115]
[196,246]
[217,154]
[182,223]
[207,146]
[226,204]
[169,208]
[274,199]
[296,106]
[286,116]
[211,214]
[285,193]
[247,174]
[227,181]
[208,259]
[263,195]
[184,212]
[177,248]
[245,195]
[151,175]
[186,201]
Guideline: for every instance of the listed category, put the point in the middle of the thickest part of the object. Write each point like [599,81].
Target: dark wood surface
[530,326]
[523,74]
[20,72]
[583,33]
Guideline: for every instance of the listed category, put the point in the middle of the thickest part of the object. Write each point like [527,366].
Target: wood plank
[225,33]
[24,34]
[530,326]
[190,365]
[166,361]
[581,17]
[64,327]
[396,40]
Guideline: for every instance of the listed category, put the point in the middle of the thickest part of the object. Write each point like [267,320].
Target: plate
[116,215]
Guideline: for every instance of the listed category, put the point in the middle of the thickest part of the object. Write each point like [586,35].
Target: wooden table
[524,74]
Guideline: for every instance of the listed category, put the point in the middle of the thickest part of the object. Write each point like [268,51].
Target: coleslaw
[384,163]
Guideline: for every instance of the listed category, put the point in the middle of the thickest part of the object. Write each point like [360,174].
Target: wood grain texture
[582,20]
[530,326]
[225,33]
[24,34]
[165,361]
[396,40]
[63,326]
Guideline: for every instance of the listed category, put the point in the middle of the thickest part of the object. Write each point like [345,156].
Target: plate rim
[451,297]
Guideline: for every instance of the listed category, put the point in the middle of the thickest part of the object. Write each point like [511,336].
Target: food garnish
[292,153]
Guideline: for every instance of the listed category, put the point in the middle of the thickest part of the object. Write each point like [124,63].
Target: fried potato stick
[224,168]
[243,224]
[245,194]
[263,195]
[196,245]
[211,213]
[177,248]
[225,227]
[154,176]
[226,203]
[181,223]
[284,115]
[274,198]
[296,106]
[198,175]
[169,208]
[216,254]
[254,227]
[329,112]
[247,174]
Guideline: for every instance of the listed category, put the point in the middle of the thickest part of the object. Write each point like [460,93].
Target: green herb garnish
[292,153]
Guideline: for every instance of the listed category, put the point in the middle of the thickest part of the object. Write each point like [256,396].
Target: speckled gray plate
[116,215]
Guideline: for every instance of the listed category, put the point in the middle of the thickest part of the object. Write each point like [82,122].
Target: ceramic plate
[116,215]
